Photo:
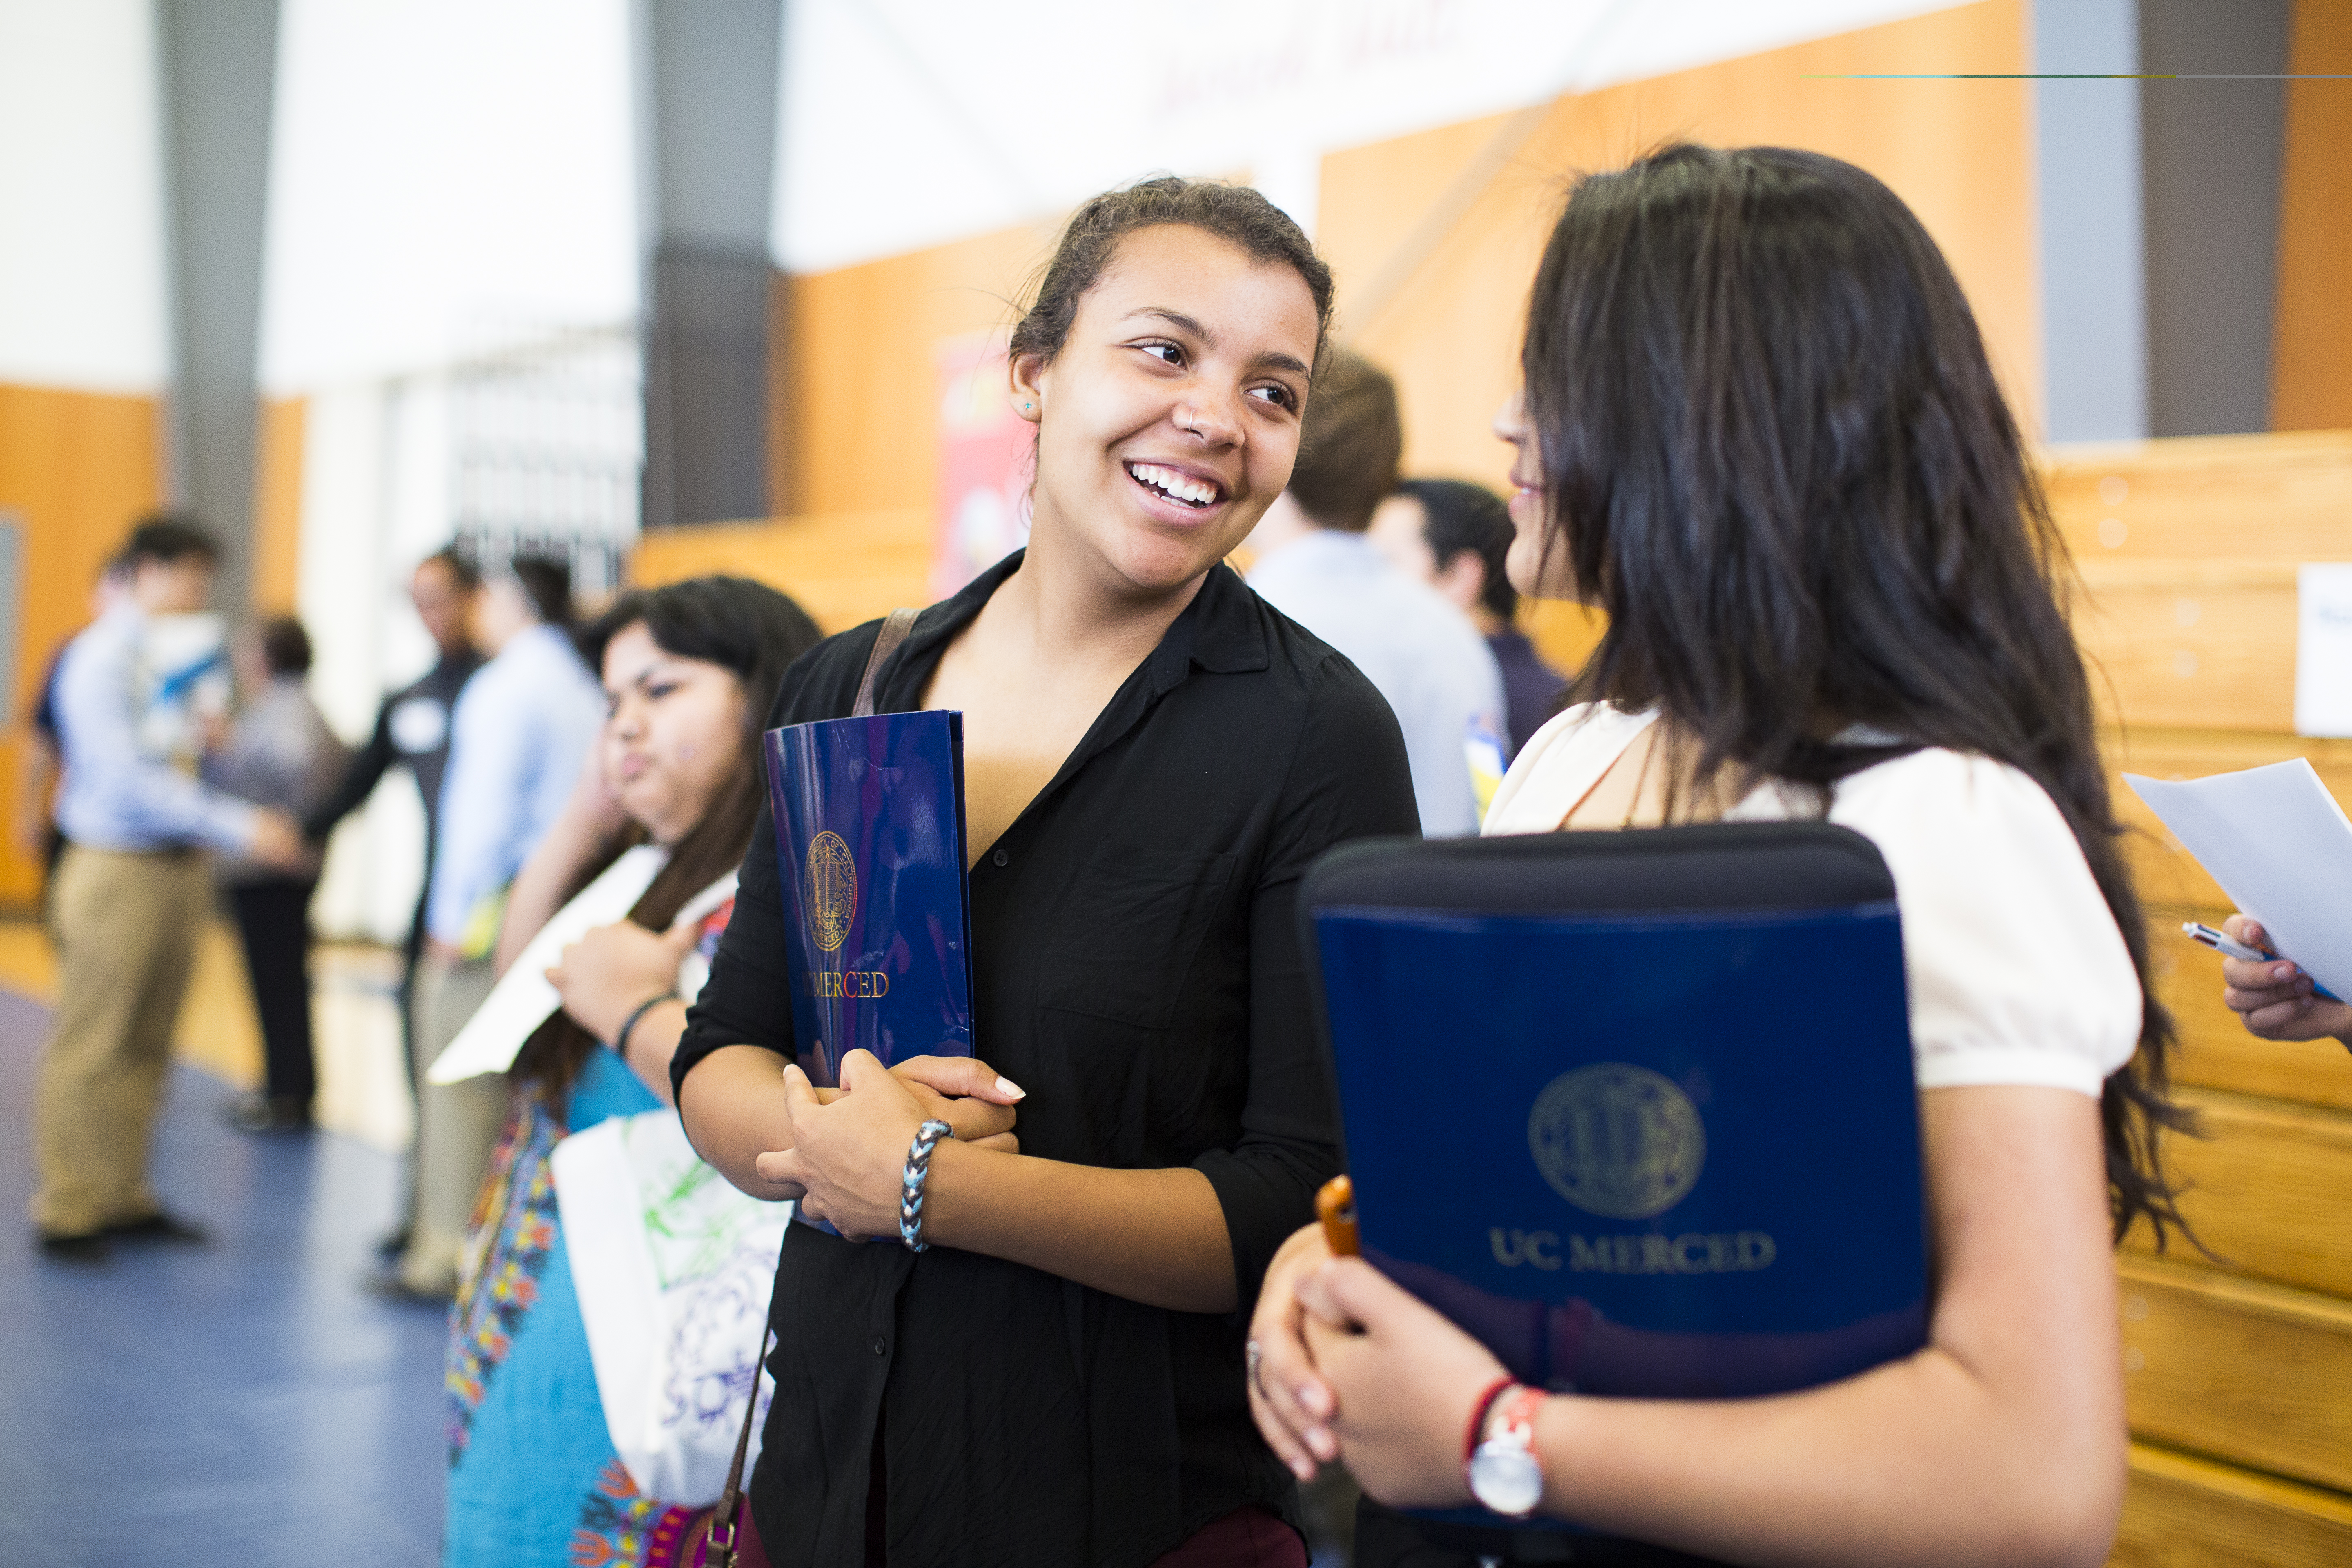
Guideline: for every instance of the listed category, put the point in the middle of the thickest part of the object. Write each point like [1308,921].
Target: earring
[1028,408]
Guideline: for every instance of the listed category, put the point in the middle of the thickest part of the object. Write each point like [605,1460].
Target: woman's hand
[1405,1380]
[848,1152]
[613,970]
[1293,1404]
[2274,997]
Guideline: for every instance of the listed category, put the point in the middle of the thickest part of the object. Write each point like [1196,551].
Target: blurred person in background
[279,752]
[689,671]
[37,824]
[520,731]
[411,731]
[1315,565]
[132,890]
[1453,536]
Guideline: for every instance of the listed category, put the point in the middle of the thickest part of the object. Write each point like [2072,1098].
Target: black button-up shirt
[1136,969]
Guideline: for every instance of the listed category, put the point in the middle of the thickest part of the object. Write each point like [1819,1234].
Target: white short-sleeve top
[2016,970]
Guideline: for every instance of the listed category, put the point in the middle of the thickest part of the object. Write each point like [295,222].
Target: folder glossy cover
[870,853]
[1637,1109]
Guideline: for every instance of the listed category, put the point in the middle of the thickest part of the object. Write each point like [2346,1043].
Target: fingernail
[1006,1085]
[1302,1469]
[2283,972]
[1310,1399]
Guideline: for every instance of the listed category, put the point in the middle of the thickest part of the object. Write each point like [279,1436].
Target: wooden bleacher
[2239,1368]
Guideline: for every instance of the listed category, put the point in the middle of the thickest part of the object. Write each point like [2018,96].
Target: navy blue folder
[870,853]
[1636,1109]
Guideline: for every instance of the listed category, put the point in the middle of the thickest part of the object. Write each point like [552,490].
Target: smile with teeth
[1192,492]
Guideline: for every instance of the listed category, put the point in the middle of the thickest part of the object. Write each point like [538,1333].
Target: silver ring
[1254,1350]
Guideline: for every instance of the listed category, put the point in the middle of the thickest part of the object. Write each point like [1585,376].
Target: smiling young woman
[1152,758]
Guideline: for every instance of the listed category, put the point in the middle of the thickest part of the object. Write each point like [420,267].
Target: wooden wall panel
[861,383]
[78,467]
[2237,499]
[278,505]
[2311,356]
[2186,1512]
[2268,1186]
[843,569]
[2256,1374]
[1959,152]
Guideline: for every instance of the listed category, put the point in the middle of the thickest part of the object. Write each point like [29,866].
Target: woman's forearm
[733,1105]
[1154,1237]
[1921,1462]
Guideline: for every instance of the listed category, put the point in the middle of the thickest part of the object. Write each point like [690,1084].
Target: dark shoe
[88,1250]
[162,1227]
[267,1113]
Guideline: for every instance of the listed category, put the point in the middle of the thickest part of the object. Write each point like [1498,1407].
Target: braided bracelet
[910,1194]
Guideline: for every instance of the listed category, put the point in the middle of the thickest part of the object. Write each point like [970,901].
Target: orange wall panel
[277,506]
[78,469]
[2310,358]
[860,382]
[1959,152]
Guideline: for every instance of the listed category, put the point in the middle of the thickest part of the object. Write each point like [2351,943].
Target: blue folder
[1637,1109]
[870,853]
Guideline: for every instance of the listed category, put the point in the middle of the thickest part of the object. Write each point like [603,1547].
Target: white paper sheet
[2280,846]
[523,999]
[2322,650]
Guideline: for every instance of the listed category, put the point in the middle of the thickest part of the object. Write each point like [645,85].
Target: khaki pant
[457,1124]
[126,929]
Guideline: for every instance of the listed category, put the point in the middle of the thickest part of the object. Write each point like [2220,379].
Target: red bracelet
[1486,1397]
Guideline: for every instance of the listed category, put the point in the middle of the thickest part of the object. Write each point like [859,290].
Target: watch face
[1506,1478]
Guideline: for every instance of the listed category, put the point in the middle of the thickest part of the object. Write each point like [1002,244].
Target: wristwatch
[1505,1474]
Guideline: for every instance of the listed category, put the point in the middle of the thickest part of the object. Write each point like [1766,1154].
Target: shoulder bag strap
[721,1527]
[886,643]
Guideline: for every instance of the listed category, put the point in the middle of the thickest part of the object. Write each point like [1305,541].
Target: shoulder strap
[886,643]
[718,1527]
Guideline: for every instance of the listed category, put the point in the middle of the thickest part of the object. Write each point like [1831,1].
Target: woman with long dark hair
[688,670]
[1151,759]
[1758,428]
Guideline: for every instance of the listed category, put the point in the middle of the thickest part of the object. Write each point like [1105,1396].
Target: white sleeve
[2017,972]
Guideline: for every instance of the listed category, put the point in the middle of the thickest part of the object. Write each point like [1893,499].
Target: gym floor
[243,1403]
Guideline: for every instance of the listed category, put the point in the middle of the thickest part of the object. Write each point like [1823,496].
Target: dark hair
[462,568]
[285,645]
[1459,517]
[546,580]
[1775,454]
[167,538]
[1237,214]
[1348,445]
[756,632]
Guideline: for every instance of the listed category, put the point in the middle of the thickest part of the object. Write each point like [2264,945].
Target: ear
[1463,579]
[1027,376]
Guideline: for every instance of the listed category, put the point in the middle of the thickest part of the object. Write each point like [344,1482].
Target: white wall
[905,123]
[82,248]
[445,175]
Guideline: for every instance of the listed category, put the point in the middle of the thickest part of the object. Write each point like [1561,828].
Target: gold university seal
[831,890]
[1617,1139]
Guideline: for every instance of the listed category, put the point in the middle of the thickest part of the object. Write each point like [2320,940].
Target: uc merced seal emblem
[831,890]
[1616,1139]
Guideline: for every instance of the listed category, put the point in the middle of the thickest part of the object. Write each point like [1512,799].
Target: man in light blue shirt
[522,729]
[1316,565]
[132,890]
